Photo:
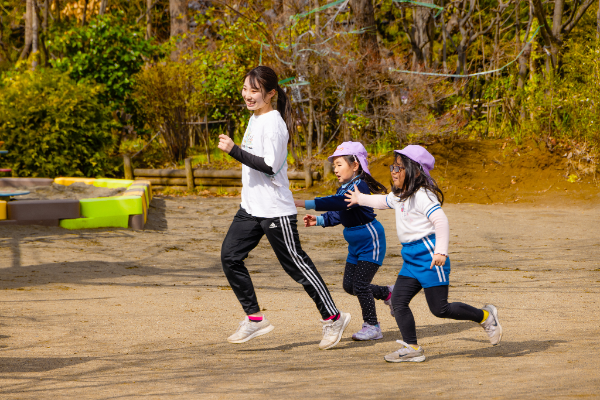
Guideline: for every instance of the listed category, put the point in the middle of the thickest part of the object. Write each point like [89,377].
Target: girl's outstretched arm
[310,220]
[374,200]
[442,236]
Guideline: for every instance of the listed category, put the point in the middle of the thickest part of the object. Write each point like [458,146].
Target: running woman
[424,233]
[268,208]
[364,234]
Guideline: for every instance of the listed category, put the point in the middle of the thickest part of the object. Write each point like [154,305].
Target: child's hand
[225,143]
[352,196]
[438,259]
[310,220]
[299,203]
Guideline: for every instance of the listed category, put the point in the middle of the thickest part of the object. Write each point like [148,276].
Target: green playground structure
[129,210]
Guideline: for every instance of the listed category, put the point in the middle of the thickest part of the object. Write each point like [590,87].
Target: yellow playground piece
[2,209]
[69,181]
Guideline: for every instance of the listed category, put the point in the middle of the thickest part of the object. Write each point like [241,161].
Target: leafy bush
[54,126]
[106,50]
[165,92]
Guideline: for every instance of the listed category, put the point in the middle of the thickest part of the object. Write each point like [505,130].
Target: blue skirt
[366,243]
[417,258]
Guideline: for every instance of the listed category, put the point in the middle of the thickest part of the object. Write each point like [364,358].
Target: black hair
[414,179]
[265,79]
[374,186]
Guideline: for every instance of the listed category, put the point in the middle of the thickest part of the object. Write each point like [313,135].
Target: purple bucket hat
[419,155]
[352,149]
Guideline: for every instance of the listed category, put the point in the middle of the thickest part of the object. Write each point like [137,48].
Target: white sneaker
[491,325]
[389,302]
[249,330]
[332,331]
[406,353]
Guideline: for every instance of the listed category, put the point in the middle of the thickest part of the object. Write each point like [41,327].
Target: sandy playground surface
[115,313]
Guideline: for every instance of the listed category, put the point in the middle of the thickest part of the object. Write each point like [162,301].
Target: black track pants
[244,235]
[437,299]
[357,282]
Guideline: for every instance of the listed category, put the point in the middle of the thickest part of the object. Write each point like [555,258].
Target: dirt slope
[495,171]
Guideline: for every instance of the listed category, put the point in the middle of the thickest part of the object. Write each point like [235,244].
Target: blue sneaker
[368,332]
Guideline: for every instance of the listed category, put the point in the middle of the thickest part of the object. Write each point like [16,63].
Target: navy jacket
[338,210]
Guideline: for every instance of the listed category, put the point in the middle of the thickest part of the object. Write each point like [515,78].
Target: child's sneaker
[388,302]
[332,331]
[492,325]
[407,353]
[249,330]
[368,332]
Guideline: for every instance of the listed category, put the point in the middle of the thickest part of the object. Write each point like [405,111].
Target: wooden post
[127,166]
[308,178]
[327,169]
[189,174]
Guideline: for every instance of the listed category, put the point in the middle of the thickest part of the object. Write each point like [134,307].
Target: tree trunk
[35,34]
[559,6]
[103,4]
[422,27]
[317,29]
[598,22]
[207,135]
[46,16]
[444,44]
[523,63]
[148,19]
[57,6]
[179,23]
[85,6]
[319,128]
[309,133]
[28,30]
[278,7]
[364,18]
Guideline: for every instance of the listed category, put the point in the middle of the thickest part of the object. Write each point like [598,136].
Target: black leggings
[437,299]
[357,282]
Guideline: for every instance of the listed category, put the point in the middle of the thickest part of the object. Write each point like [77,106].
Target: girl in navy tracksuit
[364,234]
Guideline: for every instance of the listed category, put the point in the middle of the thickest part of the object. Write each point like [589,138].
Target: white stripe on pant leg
[295,257]
[372,237]
[438,271]
[376,237]
[307,271]
[304,268]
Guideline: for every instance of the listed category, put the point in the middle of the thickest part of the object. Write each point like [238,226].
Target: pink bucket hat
[419,155]
[353,149]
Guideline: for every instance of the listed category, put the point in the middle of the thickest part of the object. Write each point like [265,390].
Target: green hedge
[53,126]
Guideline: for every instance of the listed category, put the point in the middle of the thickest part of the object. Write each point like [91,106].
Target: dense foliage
[385,72]
[54,126]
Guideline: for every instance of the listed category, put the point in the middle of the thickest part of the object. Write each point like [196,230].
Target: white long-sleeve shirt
[264,196]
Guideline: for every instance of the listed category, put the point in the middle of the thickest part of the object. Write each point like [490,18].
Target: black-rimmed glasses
[396,168]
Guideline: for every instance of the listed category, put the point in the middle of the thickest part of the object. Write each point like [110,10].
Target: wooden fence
[189,178]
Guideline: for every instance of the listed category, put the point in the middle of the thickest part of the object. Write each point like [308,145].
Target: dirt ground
[115,313]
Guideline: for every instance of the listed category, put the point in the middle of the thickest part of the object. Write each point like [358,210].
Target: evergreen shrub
[53,126]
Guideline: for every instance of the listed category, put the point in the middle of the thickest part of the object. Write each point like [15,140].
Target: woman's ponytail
[284,107]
